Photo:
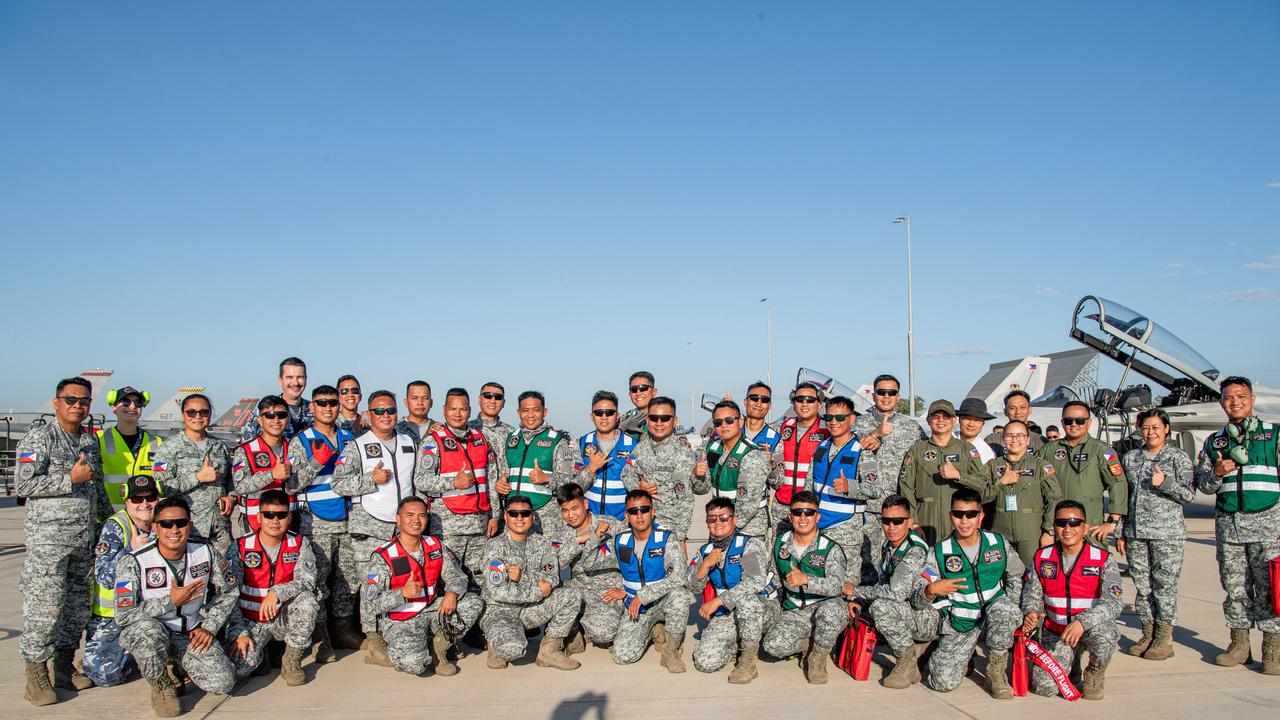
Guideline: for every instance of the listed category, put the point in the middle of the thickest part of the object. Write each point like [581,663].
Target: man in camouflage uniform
[642,389]
[887,434]
[417,421]
[663,468]
[1239,465]
[349,394]
[293,381]
[846,480]
[653,593]
[588,566]
[933,469]
[196,467]
[1025,490]
[521,577]
[1017,406]
[59,471]
[734,468]
[493,397]
[1154,533]
[1086,467]
[539,460]
[729,575]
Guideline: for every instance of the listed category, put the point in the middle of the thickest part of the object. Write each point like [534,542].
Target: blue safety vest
[767,439]
[323,502]
[728,573]
[835,507]
[607,495]
[639,571]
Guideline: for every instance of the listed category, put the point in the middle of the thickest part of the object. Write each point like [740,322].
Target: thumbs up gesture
[281,470]
[885,428]
[81,473]
[796,577]
[1157,477]
[207,474]
[381,476]
[701,468]
[464,479]
[949,471]
[1009,476]
[841,483]
[411,588]
[537,475]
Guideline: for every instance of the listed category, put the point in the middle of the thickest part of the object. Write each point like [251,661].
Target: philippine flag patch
[27,457]
[159,466]
[237,467]
[929,574]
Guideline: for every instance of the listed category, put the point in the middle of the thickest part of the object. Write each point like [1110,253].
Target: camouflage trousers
[336,578]
[1247,582]
[900,624]
[792,628]
[951,656]
[1101,642]
[718,643]
[1155,566]
[105,661]
[633,635]
[504,626]
[599,619]
[874,544]
[294,625]
[362,547]
[469,550]
[850,535]
[779,518]
[55,595]
[151,645]
[409,641]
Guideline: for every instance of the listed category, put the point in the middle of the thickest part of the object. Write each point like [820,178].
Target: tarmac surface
[1185,686]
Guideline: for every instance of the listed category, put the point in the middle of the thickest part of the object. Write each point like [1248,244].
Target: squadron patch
[261,459]
[252,559]
[513,442]
[450,444]
[102,548]
[786,433]
[784,552]
[373,450]
[156,577]
[679,488]
[742,490]
[1115,591]
[1048,570]
[815,560]
[953,564]
[1059,454]
[930,456]
[27,471]
[548,567]
[200,570]
[1219,443]
[1091,571]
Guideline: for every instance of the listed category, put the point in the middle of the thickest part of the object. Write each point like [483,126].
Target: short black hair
[458,392]
[1069,505]
[807,497]
[1153,412]
[842,401]
[662,400]
[77,380]
[717,503]
[1016,393]
[643,375]
[350,377]
[604,396]
[885,377]
[896,500]
[493,383]
[296,362]
[1235,380]
[637,494]
[377,394]
[532,394]
[966,495]
[269,401]
[1032,427]
[417,383]
[173,501]
[197,396]
[1075,403]
[760,384]
[569,492]
[323,390]
[1055,427]
[518,499]
[409,500]
[807,386]
[723,405]
[274,496]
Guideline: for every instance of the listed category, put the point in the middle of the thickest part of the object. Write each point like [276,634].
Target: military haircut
[807,497]
[532,394]
[760,384]
[323,390]
[519,500]
[418,383]
[1055,427]
[896,501]
[962,495]
[842,401]
[604,396]
[377,394]
[197,396]
[347,377]
[270,401]
[1229,381]
[458,392]
[569,492]
[716,503]
[171,502]
[643,375]
[1075,403]
[662,400]
[886,378]
[1016,393]
[637,494]
[1068,505]
[294,362]
[493,384]
[722,405]
[77,380]
[409,501]
[274,496]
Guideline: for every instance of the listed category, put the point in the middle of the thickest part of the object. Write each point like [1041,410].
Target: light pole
[911,353]
[692,385]
[768,325]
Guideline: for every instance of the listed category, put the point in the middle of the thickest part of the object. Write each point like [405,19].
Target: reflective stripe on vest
[261,573]
[635,572]
[1256,486]
[725,576]
[813,563]
[385,500]
[319,496]
[522,455]
[471,453]
[889,557]
[985,582]
[427,574]
[724,468]
[119,462]
[797,453]
[607,495]
[155,578]
[1067,596]
[260,457]
[104,597]
[835,507]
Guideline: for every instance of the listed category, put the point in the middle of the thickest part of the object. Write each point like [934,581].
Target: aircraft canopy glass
[1114,320]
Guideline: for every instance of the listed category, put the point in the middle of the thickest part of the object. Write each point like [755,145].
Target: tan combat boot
[1143,642]
[163,701]
[344,634]
[745,669]
[177,678]
[377,650]
[1238,651]
[906,672]
[550,654]
[493,662]
[658,634]
[39,691]
[1094,678]
[65,673]
[671,653]
[998,677]
[323,647]
[577,643]
[1271,653]
[1161,643]
[440,645]
[291,667]
[815,665]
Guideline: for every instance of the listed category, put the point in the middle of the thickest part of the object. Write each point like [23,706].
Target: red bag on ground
[864,647]
[1020,673]
[845,644]
[1275,586]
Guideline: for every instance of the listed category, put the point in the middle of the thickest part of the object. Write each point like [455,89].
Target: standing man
[587,565]
[349,417]
[973,415]
[262,463]
[1051,433]
[603,454]
[293,381]
[1086,467]
[417,422]
[1025,490]
[653,589]
[933,469]
[1239,464]
[1075,587]
[729,574]
[126,449]
[845,479]
[196,467]
[886,434]
[800,437]
[58,471]
[520,588]
[1017,406]
[811,569]
[539,460]
[736,470]
[316,451]
[756,405]
[376,471]
[663,468]
[643,390]
[493,397]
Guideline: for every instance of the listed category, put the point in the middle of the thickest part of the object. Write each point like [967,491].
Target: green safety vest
[814,564]
[119,462]
[520,459]
[985,583]
[889,558]
[725,467]
[104,598]
[1256,486]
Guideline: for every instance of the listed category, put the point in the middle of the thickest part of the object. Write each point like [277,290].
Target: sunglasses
[725,517]
[132,402]
[884,392]
[760,398]
[639,509]
[831,417]
[349,390]
[661,418]
[204,412]
[1074,421]
[274,514]
[804,512]
[492,396]
[328,402]
[966,514]
[1068,522]
[83,401]
[140,500]
[275,415]
[174,523]
[519,513]
[724,421]
[604,413]
[805,399]
[893,520]
[640,388]
[383,410]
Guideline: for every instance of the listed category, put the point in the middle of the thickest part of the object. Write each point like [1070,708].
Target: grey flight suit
[745,608]
[182,458]
[59,531]
[589,567]
[1101,638]
[330,540]
[513,607]
[895,602]
[906,432]
[929,494]
[1085,472]
[823,620]
[1024,510]
[296,619]
[1155,530]
[665,601]
[669,465]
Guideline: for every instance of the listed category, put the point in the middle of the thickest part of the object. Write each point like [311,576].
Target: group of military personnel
[327,526]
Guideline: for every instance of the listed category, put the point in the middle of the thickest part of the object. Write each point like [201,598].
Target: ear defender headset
[1239,434]
[114,395]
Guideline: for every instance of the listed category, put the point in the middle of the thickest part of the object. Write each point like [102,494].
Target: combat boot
[377,650]
[815,665]
[177,678]
[493,662]
[39,691]
[345,635]
[745,669]
[550,654]
[440,646]
[1238,651]
[291,667]
[1271,653]
[658,634]
[1143,642]
[577,643]
[1161,643]
[65,673]
[1094,678]
[323,647]
[163,700]
[997,676]
[671,653]
[906,672]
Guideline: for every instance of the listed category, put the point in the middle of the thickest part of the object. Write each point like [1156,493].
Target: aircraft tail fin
[238,415]
[97,378]
[169,411]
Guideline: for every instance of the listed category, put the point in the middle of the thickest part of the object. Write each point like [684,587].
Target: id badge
[1011,503]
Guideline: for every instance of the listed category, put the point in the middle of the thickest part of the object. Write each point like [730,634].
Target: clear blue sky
[554,194]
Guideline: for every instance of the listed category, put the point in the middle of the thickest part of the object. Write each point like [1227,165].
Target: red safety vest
[797,455]
[427,574]
[469,453]
[1065,597]
[260,573]
[261,458]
